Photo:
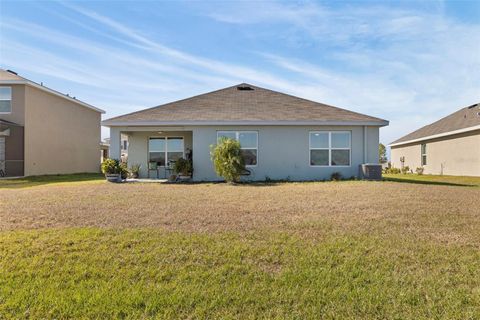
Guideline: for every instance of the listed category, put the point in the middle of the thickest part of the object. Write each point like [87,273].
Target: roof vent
[244,88]
[12,72]
[474,105]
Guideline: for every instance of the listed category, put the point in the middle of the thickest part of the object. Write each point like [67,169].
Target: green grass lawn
[434,179]
[93,273]
[49,179]
[328,250]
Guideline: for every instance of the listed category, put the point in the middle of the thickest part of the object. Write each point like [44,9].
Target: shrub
[183,166]
[123,170]
[336,176]
[110,166]
[391,170]
[134,170]
[113,166]
[405,169]
[227,159]
[419,171]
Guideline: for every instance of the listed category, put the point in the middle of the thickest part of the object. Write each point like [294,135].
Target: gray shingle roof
[464,118]
[234,105]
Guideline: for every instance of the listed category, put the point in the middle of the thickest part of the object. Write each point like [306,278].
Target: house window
[5,100]
[162,150]
[248,144]
[330,148]
[424,154]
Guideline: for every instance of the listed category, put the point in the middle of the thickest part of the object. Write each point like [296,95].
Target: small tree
[227,159]
[382,153]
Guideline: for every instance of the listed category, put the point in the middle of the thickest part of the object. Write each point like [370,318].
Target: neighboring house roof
[244,104]
[9,77]
[464,120]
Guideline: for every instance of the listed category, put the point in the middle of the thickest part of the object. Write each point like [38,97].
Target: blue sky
[408,62]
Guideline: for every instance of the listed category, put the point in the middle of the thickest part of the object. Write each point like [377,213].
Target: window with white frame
[330,148]
[424,154]
[248,144]
[162,150]
[5,99]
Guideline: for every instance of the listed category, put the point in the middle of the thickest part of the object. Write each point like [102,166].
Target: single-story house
[282,136]
[43,131]
[449,146]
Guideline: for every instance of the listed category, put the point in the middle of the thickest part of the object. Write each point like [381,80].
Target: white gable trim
[439,135]
[58,94]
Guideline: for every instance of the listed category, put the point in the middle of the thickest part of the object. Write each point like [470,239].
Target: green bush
[110,166]
[113,166]
[134,170]
[336,176]
[227,159]
[392,170]
[405,170]
[183,167]
[123,170]
[419,171]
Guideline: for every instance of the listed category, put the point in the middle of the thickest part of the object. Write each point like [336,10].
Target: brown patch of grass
[426,212]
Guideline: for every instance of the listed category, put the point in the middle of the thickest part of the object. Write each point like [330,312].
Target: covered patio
[154,149]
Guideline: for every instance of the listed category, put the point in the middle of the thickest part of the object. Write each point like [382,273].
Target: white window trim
[423,154]
[11,107]
[237,136]
[329,149]
[166,147]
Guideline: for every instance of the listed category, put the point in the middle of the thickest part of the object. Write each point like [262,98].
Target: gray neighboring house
[282,136]
[449,146]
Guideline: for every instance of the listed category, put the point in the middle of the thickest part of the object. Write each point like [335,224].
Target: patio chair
[169,168]
[153,166]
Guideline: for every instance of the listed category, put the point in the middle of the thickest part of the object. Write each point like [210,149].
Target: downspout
[365,144]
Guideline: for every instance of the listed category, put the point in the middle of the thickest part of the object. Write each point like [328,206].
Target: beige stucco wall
[60,136]
[18,105]
[454,155]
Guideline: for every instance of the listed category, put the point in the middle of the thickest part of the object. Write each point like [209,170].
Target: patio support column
[115,142]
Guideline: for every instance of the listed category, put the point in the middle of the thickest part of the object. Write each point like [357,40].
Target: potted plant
[113,170]
[134,170]
[183,168]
